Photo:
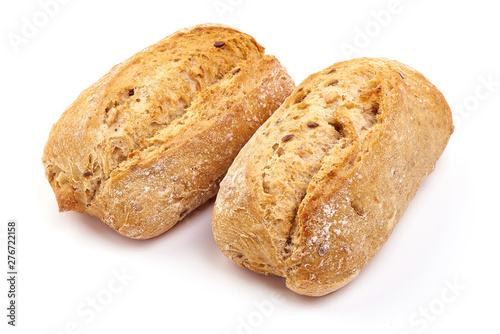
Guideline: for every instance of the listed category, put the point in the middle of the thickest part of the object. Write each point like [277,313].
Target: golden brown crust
[147,143]
[315,208]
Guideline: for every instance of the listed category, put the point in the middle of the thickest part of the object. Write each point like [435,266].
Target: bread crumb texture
[151,140]
[318,189]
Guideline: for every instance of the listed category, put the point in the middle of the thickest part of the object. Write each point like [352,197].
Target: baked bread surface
[317,191]
[150,141]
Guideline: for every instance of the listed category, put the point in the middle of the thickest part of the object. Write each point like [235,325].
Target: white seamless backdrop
[436,274]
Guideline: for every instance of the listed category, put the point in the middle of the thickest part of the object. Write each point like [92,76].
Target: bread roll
[150,141]
[317,191]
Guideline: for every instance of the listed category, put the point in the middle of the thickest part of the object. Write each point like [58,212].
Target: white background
[180,282]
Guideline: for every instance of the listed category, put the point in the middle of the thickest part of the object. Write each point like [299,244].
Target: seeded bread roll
[150,141]
[317,191]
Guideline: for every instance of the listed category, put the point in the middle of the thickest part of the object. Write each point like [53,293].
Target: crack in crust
[343,116]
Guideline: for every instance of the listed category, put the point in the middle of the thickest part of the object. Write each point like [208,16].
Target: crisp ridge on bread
[150,141]
[317,191]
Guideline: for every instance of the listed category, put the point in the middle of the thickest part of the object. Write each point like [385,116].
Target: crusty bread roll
[150,141]
[317,191]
